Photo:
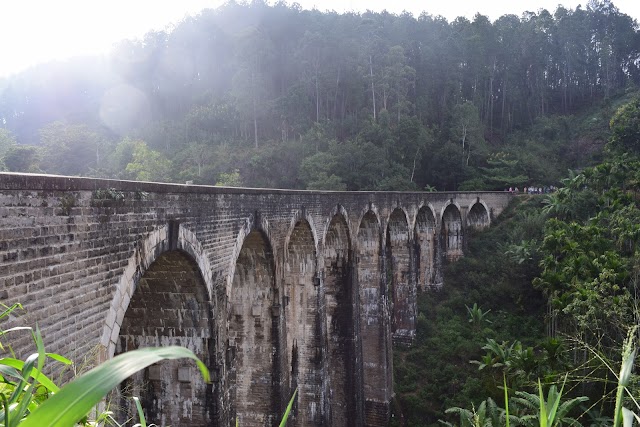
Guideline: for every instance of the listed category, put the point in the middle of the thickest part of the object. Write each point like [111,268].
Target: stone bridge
[273,289]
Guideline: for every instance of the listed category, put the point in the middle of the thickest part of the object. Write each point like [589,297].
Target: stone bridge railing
[273,289]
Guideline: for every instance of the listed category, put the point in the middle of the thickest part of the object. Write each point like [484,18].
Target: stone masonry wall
[79,254]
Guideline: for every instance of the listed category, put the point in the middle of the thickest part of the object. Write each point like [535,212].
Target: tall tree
[466,129]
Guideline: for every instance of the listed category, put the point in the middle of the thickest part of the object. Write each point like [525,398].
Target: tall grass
[623,415]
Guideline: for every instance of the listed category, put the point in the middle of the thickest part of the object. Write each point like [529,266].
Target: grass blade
[42,379]
[553,405]
[17,328]
[628,359]
[143,421]
[506,400]
[59,358]
[283,423]
[6,310]
[76,399]
[543,406]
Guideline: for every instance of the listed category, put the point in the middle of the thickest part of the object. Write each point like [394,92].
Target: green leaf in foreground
[76,399]
[286,413]
[17,364]
[506,399]
[143,420]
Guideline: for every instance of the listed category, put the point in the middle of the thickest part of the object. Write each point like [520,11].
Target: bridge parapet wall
[73,250]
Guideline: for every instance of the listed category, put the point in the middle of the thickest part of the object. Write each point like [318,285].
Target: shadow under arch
[147,250]
[426,243]
[170,306]
[303,327]
[374,345]
[252,345]
[399,275]
[302,215]
[478,216]
[339,310]
[452,232]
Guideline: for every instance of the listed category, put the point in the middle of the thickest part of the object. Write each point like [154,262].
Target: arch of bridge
[147,251]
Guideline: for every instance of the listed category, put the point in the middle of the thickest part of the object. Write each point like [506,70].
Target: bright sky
[35,31]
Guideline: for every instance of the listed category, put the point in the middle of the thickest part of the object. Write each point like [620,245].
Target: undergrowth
[436,373]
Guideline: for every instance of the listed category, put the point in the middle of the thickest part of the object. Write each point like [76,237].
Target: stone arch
[478,215]
[339,308]
[299,216]
[337,215]
[250,224]
[146,252]
[426,242]
[252,337]
[400,280]
[303,325]
[452,231]
[170,306]
[373,335]
[371,209]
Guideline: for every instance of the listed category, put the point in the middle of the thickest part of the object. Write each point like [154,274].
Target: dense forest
[571,258]
[342,101]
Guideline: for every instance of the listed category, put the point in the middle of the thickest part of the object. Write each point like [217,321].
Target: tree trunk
[415,158]
[317,99]
[504,101]
[255,122]
[373,89]
[335,98]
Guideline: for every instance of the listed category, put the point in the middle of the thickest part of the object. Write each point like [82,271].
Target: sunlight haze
[40,31]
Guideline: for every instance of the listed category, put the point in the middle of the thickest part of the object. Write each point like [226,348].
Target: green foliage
[7,141]
[435,374]
[477,317]
[466,129]
[76,399]
[148,165]
[143,420]
[70,149]
[22,158]
[29,398]
[319,172]
[108,194]
[67,202]
[549,412]
[229,179]
[487,414]
[589,249]
[580,246]
[629,351]
[625,128]
[445,166]
[503,171]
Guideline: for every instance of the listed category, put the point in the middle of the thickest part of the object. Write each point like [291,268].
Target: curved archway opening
[452,236]
[339,318]
[170,306]
[375,372]
[399,278]
[303,325]
[426,238]
[478,217]
[252,343]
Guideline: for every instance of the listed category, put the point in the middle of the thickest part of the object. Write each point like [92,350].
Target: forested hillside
[340,101]
[546,299]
